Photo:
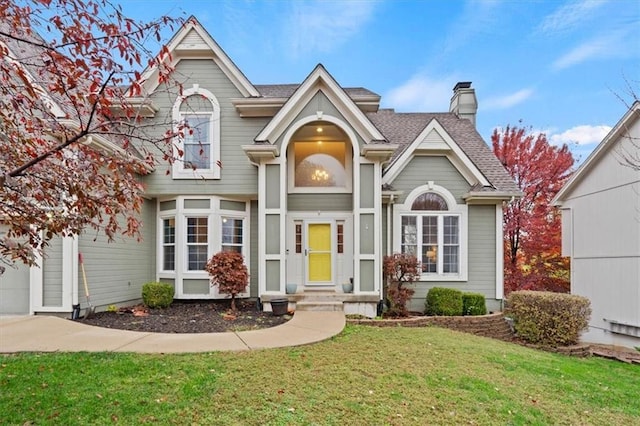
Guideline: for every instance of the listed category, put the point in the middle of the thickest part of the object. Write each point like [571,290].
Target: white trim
[178,169]
[455,209]
[211,50]
[499,253]
[319,80]
[458,158]
[612,137]
[36,282]
[214,215]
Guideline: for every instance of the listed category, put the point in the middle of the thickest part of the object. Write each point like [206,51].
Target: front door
[318,254]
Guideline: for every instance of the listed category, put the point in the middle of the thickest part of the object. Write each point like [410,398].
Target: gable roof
[621,127]
[193,41]
[405,129]
[319,80]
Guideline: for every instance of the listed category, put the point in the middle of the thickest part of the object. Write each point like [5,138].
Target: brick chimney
[463,102]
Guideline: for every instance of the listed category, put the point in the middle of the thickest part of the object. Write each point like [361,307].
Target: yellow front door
[319,253]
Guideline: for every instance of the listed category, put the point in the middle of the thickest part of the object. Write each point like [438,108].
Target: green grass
[364,376]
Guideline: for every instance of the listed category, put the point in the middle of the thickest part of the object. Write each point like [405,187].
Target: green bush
[473,304]
[443,301]
[157,295]
[547,318]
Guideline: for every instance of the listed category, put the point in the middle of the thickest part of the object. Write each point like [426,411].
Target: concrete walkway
[43,333]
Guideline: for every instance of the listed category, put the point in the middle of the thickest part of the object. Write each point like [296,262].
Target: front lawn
[364,376]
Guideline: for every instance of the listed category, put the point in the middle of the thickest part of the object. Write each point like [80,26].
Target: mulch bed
[188,317]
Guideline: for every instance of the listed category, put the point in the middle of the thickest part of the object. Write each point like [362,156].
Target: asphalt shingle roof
[286,90]
[403,128]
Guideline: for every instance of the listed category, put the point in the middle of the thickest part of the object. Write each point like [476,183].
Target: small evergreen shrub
[157,295]
[443,301]
[546,318]
[473,304]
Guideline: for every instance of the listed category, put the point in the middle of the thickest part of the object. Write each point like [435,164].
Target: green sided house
[313,183]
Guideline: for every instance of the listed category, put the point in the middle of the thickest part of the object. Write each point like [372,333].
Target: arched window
[431,229]
[197,113]
[429,201]
[320,159]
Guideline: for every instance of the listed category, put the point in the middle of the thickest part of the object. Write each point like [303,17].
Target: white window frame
[214,215]
[455,209]
[243,220]
[180,170]
[164,216]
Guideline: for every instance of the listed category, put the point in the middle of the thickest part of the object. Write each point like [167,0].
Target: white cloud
[569,16]
[507,101]
[323,25]
[422,93]
[607,45]
[581,135]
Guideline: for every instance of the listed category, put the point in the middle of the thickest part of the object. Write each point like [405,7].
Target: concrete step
[319,305]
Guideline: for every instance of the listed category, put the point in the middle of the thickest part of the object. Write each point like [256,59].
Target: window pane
[451,230]
[197,230]
[320,164]
[168,244]
[429,201]
[429,244]
[169,258]
[169,231]
[298,238]
[409,235]
[451,247]
[231,231]
[197,258]
[450,260]
[340,232]
[197,141]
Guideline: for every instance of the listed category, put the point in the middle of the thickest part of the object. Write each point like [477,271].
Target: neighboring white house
[600,207]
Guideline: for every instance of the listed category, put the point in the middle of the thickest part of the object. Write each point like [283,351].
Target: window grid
[298,238]
[169,244]
[439,241]
[232,234]
[340,237]
[197,141]
[197,243]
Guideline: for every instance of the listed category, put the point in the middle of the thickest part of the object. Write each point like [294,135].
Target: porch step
[319,305]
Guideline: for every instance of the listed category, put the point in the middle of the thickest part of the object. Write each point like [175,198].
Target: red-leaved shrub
[399,270]
[229,273]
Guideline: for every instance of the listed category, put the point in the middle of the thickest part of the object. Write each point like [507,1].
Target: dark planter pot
[279,307]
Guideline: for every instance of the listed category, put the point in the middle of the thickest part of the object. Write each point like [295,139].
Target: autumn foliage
[400,269]
[532,226]
[69,120]
[229,273]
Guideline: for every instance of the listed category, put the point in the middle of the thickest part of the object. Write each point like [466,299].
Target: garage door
[14,287]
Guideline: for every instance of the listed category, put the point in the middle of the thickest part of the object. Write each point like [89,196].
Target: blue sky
[560,67]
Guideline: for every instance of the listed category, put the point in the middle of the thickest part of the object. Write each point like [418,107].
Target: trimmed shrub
[157,295]
[443,301]
[473,304]
[546,318]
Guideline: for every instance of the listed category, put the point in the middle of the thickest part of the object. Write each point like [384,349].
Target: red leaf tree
[229,273]
[70,115]
[532,239]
